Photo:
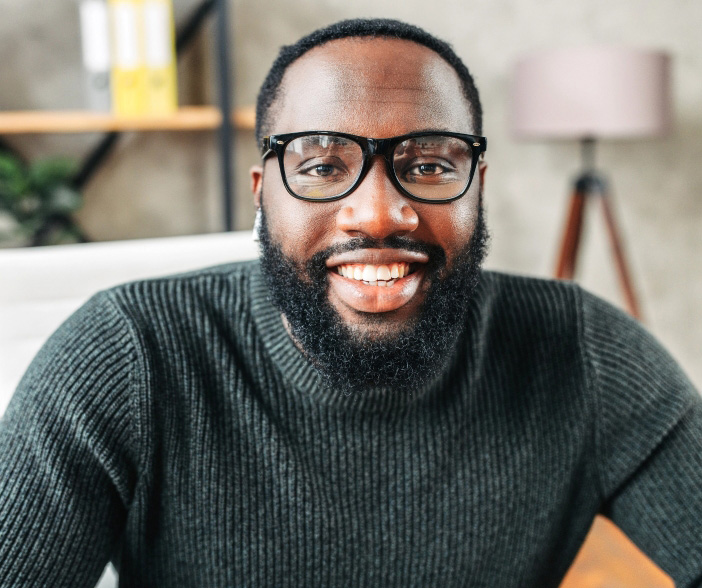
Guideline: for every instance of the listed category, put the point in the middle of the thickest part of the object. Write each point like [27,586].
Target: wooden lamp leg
[586,187]
[570,244]
[619,259]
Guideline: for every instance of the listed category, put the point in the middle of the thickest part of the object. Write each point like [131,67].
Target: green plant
[41,198]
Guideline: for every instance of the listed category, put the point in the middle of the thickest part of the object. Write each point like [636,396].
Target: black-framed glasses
[428,166]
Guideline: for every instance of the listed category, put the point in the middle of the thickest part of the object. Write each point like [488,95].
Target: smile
[376,280]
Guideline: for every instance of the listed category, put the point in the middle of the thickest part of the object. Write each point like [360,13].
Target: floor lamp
[588,94]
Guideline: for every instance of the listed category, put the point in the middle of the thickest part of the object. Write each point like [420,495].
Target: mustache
[392,242]
[316,265]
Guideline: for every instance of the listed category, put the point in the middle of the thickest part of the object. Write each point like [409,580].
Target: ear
[256,173]
[482,169]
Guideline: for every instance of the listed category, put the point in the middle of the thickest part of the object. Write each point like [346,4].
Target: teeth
[369,273]
[394,271]
[384,273]
[375,275]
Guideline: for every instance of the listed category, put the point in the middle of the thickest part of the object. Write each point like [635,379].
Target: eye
[332,168]
[322,170]
[427,169]
[418,171]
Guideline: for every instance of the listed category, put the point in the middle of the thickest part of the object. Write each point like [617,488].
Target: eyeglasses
[321,166]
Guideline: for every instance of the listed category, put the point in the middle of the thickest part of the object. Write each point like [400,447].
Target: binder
[95,42]
[128,67]
[160,57]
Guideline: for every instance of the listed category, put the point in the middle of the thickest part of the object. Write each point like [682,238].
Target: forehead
[372,87]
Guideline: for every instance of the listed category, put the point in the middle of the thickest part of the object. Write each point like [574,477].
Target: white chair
[41,287]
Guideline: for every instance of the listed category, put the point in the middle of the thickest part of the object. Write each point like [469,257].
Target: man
[365,407]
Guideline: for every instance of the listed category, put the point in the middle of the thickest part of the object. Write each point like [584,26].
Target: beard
[408,358]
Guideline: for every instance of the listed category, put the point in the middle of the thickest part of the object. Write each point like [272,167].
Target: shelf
[188,118]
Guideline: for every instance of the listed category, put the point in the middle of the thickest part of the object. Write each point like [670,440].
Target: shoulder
[208,279]
[526,309]
[190,320]
[553,332]
[531,292]
[180,297]
[611,342]
[561,306]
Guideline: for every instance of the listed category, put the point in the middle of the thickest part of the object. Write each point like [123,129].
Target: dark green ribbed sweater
[173,426]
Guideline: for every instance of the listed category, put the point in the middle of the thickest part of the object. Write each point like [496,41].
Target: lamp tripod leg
[620,260]
[567,257]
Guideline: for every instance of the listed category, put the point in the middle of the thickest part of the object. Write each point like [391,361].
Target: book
[95,43]
[128,65]
[159,57]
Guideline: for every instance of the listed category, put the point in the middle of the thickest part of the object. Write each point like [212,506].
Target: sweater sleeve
[68,454]
[648,438]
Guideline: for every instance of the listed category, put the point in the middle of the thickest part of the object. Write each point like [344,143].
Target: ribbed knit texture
[173,426]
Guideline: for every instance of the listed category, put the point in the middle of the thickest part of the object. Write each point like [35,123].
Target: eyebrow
[422,130]
[426,130]
[434,130]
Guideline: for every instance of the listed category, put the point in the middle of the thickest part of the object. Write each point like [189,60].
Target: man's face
[375,88]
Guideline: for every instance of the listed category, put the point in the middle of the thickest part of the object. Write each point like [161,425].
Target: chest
[253,498]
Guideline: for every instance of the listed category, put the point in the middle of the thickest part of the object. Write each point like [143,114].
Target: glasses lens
[433,167]
[322,166]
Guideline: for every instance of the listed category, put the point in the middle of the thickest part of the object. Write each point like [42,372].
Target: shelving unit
[188,118]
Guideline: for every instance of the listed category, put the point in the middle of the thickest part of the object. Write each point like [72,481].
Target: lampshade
[592,92]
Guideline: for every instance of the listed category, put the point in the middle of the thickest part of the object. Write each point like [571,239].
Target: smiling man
[364,406]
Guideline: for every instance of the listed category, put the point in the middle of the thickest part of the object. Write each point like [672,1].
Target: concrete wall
[166,183]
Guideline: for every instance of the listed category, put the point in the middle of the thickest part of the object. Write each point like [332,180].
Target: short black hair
[361,27]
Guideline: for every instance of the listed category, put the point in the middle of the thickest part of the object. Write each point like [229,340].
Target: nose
[376,208]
